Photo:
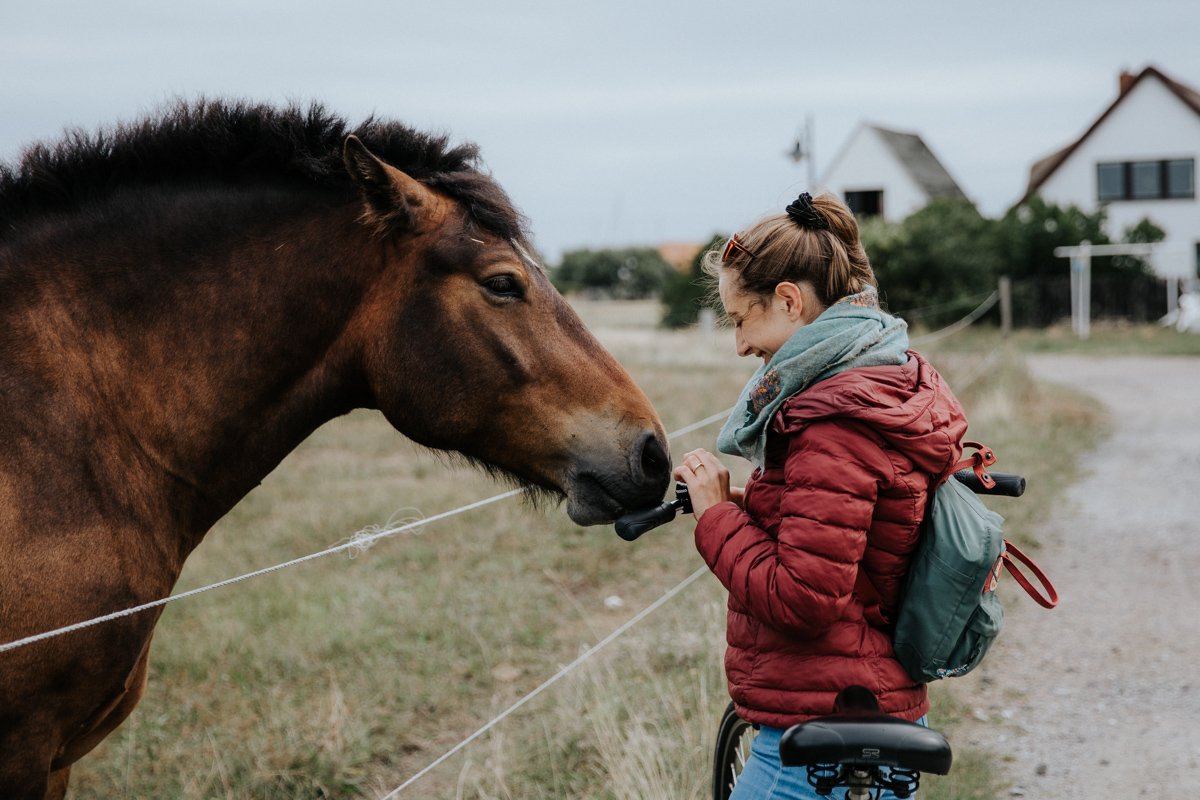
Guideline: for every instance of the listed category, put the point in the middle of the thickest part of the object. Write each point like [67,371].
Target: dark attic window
[865,204]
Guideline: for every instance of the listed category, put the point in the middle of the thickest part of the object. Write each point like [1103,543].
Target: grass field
[1105,338]
[345,676]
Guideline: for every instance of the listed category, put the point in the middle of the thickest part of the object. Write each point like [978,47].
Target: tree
[685,293]
[942,255]
[1028,234]
[625,274]
[1144,232]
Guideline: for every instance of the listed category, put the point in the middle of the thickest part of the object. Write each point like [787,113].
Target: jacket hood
[909,405]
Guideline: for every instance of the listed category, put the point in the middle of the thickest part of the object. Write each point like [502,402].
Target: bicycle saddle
[881,741]
[858,733]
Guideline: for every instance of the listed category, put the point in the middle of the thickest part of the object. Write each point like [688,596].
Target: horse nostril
[655,463]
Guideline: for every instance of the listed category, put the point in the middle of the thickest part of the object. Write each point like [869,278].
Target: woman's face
[761,323]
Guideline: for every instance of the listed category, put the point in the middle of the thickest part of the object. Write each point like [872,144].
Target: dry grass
[343,677]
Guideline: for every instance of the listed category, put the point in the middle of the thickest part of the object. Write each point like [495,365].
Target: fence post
[1005,305]
[1081,288]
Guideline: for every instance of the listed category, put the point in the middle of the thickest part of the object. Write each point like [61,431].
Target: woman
[848,429]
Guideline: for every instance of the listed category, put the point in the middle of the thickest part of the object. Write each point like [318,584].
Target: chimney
[1125,80]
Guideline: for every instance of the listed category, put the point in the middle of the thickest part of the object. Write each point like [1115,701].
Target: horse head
[520,385]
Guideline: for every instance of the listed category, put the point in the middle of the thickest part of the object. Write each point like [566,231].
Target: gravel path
[1100,698]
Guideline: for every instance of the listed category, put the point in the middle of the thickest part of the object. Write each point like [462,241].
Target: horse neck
[211,362]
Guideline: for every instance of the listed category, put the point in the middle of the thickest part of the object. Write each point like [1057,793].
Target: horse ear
[392,196]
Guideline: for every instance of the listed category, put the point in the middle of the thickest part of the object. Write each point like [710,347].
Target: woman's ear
[793,297]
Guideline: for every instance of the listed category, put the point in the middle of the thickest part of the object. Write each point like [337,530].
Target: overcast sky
[623,121]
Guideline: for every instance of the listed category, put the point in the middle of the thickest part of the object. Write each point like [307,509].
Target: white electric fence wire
[981,368]
[357,544]
[922,311]
[584,656]
[966,321]
[704,423]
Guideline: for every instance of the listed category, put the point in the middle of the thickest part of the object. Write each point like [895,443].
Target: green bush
[625,274]
[943,255]
[685,293]
[1028,234]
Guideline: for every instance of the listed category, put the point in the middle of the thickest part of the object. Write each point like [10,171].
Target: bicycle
[858,747]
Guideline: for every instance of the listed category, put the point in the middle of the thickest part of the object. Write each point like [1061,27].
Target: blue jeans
[765,778]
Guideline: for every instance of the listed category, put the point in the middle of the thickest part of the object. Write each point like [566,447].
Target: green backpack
[950,614]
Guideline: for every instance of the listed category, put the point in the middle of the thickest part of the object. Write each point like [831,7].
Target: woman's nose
[743,349]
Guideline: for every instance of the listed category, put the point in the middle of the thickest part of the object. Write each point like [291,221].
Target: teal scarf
[853,332]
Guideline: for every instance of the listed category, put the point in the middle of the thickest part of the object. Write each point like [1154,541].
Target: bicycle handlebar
[635,523]
[1007,484]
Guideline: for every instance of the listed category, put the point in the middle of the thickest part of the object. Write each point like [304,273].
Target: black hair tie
[803,214]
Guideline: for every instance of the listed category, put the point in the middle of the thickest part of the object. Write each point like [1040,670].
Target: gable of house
[888,172]
[921,164]
[1137,160]
[1043,169]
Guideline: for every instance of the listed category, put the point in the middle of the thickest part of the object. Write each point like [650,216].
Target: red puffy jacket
[815,564]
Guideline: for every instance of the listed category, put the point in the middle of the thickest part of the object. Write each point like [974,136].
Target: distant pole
[1005,305]
[802,150]
[810,143]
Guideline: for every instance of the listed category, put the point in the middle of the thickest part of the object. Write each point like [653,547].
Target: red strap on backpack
[1012,554]
[979,461]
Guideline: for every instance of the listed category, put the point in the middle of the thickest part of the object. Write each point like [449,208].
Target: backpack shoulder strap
[978,462]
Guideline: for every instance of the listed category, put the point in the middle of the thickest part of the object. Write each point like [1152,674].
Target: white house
[890,173]
[1139,160]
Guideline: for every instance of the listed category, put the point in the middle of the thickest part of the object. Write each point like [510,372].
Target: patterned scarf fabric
[853,332]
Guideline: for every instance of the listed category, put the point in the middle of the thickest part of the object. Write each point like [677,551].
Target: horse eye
[503,286]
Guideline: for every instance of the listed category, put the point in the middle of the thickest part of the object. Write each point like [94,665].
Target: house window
[1111,181]
[1181,178]
[1146,180]
[865,204]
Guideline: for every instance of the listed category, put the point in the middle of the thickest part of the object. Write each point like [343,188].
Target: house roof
[680,254]
[1045,167]
[921,164]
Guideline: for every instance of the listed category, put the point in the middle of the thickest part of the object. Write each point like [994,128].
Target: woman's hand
[706,478]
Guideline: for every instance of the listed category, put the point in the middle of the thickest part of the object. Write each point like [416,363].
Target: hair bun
[803,214]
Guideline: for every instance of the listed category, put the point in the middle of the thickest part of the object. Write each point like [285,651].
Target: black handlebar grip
[1007,484]
[634,524]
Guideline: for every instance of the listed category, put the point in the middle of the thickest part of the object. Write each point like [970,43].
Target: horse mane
[238,142]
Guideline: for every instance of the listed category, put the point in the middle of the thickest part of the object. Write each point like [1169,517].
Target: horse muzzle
[602,486]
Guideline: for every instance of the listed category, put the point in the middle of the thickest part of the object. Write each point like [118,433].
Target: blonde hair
[831,260]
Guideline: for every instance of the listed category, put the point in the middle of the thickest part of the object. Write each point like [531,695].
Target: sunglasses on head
[735,245]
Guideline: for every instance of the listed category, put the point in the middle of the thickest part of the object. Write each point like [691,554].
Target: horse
[185,298]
